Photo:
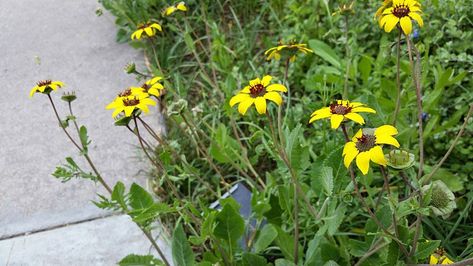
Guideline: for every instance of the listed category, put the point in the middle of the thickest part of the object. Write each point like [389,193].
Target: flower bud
[130,68]
[400,159]
[443,199]
[69,97]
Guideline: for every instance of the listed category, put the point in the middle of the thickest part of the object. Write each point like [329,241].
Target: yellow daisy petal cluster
[379,12]
[402,12]
[439,257]
[149,29]
[151,87]
[258,91]
[290,50]
[130,100]
[179,6]
[366,146]
[340,110]
[46,86]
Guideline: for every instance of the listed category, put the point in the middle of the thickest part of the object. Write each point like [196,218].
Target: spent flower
[366,146]
[46,86]
[440,257]
[258,91]
[341,110]
[149,29]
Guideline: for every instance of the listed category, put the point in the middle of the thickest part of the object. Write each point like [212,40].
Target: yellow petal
[274,96]
[385,130]
[143,107]
[149,31]
[270,50]
[246,89]
[266,80]
[319,116]
[182,6]
[276,87]
[357,135]
[138,33]
[355,117]
[117,111]
[153,92]
[322,111]
[377,155]
[244,105]
[58,83]
[238,98]
[336,120]
[350,152]
[128,110]
[415,16]
[112,105]
[391,22]
[255,81]
[386,139]
[33,91]
[406,25]
[260,103]
[156,26]
[362,109]
[363,162]
[153,80]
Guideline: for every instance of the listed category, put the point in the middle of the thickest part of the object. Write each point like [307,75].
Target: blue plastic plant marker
[242,195]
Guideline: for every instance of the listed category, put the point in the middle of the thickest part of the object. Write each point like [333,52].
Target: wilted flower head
[443,200]
[400,159]
[171,9]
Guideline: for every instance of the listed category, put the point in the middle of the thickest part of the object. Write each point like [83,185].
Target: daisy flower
[401,13]
[340,110]
[179,6]
[46,86]
[258,91]
[366,146]
[149,29]
[290,50]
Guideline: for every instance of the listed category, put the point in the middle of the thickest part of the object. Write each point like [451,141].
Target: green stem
[347,56]
[398,78]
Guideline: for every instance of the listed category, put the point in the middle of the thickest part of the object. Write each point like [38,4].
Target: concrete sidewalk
[61,40]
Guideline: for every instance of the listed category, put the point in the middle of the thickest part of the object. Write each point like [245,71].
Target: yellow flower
[401,12]
[257,93]
[151,87]
[439,257]
[366,146]
[179,6]
[148,28]
[46,86]
[380,10]
[340,110]
[290,50]
[130,100]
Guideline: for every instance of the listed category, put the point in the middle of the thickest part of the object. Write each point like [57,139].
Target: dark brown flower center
[401,10]
[125,93]
[145,87]
[257,90]
[365,142]
[340,109]
[131,102]
[44,82]
[143,25]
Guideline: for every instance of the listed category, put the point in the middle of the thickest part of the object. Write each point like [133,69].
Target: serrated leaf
[139,197]
[425,249]
[118,194]
[326,178]
[182,253]
[140,260]
[84,138]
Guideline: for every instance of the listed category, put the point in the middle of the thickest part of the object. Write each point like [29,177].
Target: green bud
[69,97]
[130,68]
[400,159]
[443,200]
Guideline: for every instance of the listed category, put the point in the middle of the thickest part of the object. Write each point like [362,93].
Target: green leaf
[118,194]
[323,50]
[285,243]
[284,262]
[292,141]
[326,178]
[229,225]
[182,253]
[393,253]
[425,249]
[139,197]
[223,146]
[84,139]
[365,67]
[265,238]
[249,259]
[140,260]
